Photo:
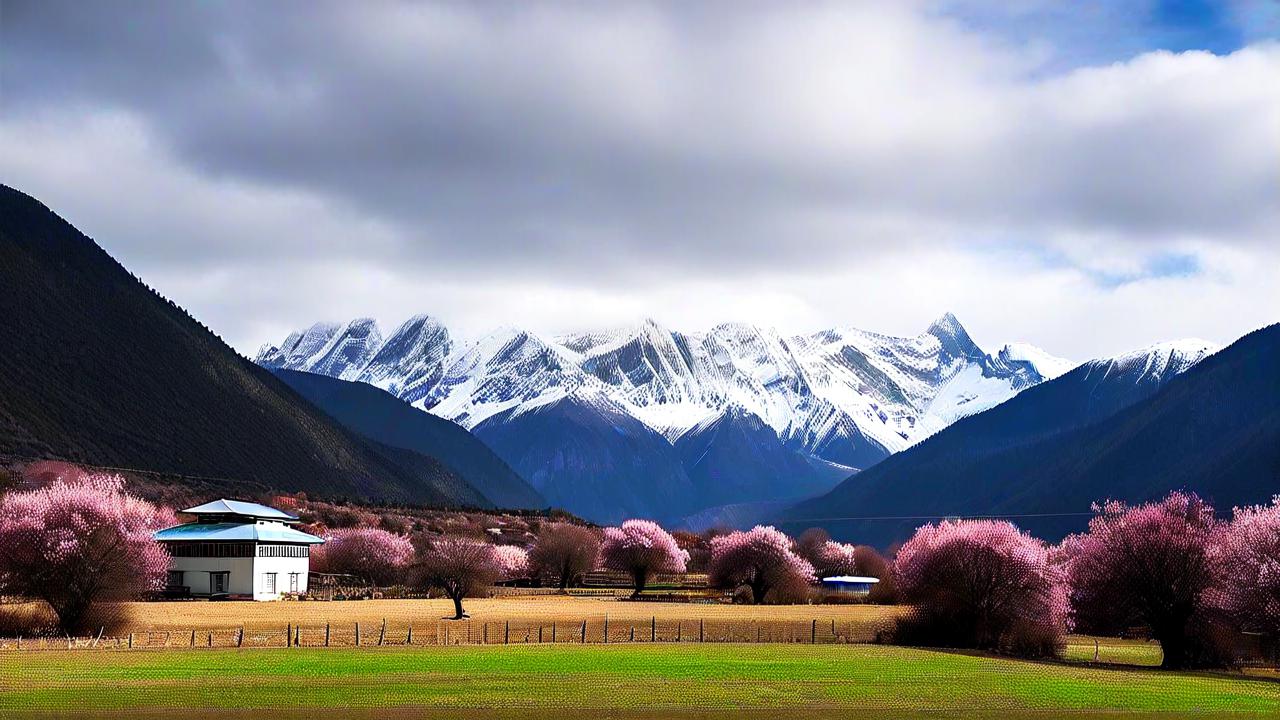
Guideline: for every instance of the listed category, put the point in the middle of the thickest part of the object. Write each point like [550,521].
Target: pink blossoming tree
[1247,556]
[761,559]
[981,584]
[512,562]
[79,542]
[458,566]
[1148,565]
[374,555]
[642,549]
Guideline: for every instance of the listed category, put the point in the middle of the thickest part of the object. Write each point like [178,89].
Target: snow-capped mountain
[840,394]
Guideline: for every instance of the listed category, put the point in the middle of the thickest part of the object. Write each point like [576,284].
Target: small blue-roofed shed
[849,584]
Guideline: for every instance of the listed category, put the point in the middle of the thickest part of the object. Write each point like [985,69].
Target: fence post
[130,642]
[297,635]
[288,635]
[100,631]
[409,640]
[653,629]
[813,637]
[240,637]
[382,634]
[209,640]
[506,633]
[679,629]
[606,627]
[553,631]
[633,633]
[539,633]
[700,630]
[357,634]
[584,631]
[326,634]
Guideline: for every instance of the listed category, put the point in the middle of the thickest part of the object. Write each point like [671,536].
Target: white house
[237,549]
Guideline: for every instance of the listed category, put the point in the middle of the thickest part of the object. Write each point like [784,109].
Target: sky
[1089,176]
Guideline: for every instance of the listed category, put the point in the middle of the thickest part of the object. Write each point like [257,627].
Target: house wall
[282,567]
[195,573]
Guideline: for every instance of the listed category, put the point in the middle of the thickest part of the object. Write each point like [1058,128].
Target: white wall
[281,566]
[248,574]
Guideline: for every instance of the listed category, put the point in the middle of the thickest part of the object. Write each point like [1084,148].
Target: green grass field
[649,681]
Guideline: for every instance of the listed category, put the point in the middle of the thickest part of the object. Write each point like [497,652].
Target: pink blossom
[642,549]
[1148,565]
[512,562]
[1247,558]
[761,559]
[985,584]
[77,542]
[371,554]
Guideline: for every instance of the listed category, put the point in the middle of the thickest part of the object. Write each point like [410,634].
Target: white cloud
[566,166]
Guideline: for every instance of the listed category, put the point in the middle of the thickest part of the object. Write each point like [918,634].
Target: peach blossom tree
[78,542]
[761,559]
[372,554]
[981,584]
[642,549]
[1247,557]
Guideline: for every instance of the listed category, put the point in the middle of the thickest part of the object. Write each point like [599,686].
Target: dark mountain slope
[97,368]
[592,459]
[383,417]
[1214,429]
[737,458]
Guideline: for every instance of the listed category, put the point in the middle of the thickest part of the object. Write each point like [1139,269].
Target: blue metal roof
[850,579]
[239,507]
[231,532]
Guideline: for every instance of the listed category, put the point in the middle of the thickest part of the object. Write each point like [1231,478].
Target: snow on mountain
[843,395]
[1048,366]
[1159,361]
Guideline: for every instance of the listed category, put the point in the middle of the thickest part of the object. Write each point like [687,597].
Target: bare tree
[458,566]
[564,551]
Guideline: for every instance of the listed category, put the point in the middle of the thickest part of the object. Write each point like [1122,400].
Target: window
[174,579]
[219,581]
[293,582]
[278,550]
[211,549]
[269,583]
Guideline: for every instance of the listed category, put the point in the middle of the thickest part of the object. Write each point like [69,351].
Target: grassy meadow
[660,680]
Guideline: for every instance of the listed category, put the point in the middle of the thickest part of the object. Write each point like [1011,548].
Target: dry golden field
[518,619]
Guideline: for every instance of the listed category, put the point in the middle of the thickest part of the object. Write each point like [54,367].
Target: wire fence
[588,630]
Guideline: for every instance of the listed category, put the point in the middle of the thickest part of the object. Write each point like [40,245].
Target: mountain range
[100,369]
[1130,428]
[645,420]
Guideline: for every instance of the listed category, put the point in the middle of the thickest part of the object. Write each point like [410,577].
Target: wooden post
[653,629]
[606,627]
[288,635]
[506,633]
[382,634]
[633,633]
[539,633]
[100,631]
[409,640]
[209,640]
[813,636]
[240,637]
[193,638]
[20,641]
[700,628]
[584,631]
[130,642]
[326,634]
[357,634]
[679,629]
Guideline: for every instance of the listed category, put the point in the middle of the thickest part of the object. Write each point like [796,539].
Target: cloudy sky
[1087,175]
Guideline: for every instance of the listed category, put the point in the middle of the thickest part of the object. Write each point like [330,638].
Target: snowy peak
[1045,365]
[300,348]
[348,350]
[411,362]
[1157,362]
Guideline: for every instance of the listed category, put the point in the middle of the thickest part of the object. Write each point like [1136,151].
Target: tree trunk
[639,579]
[758,590]
[457,607]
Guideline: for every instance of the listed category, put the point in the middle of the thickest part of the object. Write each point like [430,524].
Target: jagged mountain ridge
[844,395]
[685,421]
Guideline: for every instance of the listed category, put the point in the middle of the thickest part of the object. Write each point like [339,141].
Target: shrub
[761,559]
[564,552]
[78,543]
[374,555]
[1149,565]
[642,549]
[872,564]
[457,566]
[981,584]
